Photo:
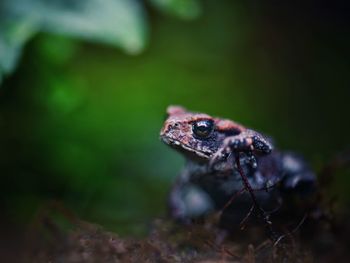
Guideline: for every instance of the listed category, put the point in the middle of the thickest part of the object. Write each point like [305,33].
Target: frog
[210,180]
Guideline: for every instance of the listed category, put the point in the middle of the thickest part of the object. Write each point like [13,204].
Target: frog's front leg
[248,141]
[187,200]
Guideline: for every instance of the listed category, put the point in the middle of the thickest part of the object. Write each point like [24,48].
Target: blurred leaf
[185,9]
[119,23]
[13,35]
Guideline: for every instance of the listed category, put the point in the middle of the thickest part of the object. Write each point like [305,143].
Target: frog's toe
[261,145]
[240,144]
[219,156]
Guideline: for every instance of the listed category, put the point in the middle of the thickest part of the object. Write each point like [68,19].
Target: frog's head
[196,135]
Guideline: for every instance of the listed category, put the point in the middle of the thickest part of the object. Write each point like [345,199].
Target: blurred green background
[79,120]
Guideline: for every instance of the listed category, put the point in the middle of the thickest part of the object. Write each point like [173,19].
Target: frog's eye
[203,129]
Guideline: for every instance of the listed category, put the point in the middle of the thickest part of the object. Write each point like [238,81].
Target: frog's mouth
[188,151]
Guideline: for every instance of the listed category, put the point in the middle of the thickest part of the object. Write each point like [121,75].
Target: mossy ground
[58,236]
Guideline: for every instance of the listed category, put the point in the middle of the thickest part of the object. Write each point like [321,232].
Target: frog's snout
[164,131]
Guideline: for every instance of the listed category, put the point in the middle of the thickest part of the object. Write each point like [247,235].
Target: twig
[218,248]
[291,232]
[263,215]
[235,195]
[242,224]
[233,198]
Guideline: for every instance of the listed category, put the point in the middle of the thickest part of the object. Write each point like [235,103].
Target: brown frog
[210,177]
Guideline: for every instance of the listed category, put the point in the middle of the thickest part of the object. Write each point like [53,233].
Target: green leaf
[185,9]
[13,35]
[120,23]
